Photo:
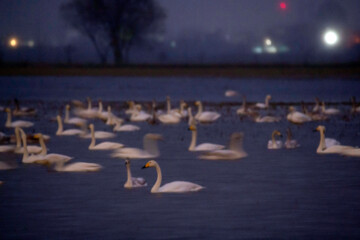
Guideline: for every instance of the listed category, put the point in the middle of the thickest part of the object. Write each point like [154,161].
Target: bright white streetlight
[331,37]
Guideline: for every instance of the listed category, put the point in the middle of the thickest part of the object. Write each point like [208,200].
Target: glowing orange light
[283,5]
[13,42]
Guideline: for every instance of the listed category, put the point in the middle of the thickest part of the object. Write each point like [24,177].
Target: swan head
[197,103]
[58,118]
[127,162]
[292,109]
[320,128]
[91,126]
[7,110]
[192,127]
[151,163]
[268,96]
[67,107]
[37,136]
[276,133]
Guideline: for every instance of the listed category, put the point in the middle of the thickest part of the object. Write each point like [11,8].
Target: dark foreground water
[295,194]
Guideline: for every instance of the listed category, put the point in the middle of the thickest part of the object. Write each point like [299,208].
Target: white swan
[7,148]
[150,150]
[87,113]
[243,110]
[133,182]
[124,128]
[264,105]
[172,187]
[74,120]
[30,148]
[111,120]
[290,143]
[18,123]
[76,167]
[180,112]
[265,119]
[329,111]
[205,117]
[297,117]
[275,144]
[99,135]
[203,146]
[68,132]
[139,116]
[169,118]
[325,147]
[235,150]
[43,157]
[103,145]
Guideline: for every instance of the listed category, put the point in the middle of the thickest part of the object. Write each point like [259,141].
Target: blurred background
[113,32]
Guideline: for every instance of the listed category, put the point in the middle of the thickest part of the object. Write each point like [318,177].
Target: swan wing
[127,128]
[208,147]
[107,146]
[224,154]
[21,123]
[208,116]
[82,167]
[331,142]
[138,182]
[7,148]
[169,119]
[180,187]
[71,132]
[131,153]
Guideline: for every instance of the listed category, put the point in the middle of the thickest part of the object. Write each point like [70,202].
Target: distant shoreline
[232,71]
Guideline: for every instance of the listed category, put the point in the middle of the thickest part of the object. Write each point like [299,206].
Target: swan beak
[192,128]
[145,166]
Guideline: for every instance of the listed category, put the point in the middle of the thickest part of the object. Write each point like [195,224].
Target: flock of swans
[38,154]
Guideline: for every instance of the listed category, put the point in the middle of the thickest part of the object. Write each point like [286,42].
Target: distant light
[271,49]
[13,42]
[173,44]
[331,37]
[283,5]
[268,42]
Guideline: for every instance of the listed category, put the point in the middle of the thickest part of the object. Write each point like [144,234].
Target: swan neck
[129,177]
[267,102]
[89,104]
[8,119]
[157,184]
[93,141]
[273,139]
[60,126]
[236,145]
[18,138]
[200,109]
[59,165]
[322,145]
[100,107]
[26,153]
[168,105]
[193,140]
[66,114]
[43,146]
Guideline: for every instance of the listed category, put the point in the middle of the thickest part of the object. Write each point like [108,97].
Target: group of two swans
[277,144]
[18,123]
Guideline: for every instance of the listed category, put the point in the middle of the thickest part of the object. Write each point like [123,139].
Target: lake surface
[283,193]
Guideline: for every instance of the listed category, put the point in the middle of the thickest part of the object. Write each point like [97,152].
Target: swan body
[76,167]
[169,118]
[172,187]
[100,135]
[139,116]
[30,148]
[235,150]
[7,148]
[205,117]
[264,105]
[181,112]
[329,111]
[275,144]
[75,120]
[150,149]
[329,149]
[68,132]
[125,128]
[231,93]
[18,123]
[203,146]
[103,145]
[133,182]
[351,152]
[297,117]
[266,119]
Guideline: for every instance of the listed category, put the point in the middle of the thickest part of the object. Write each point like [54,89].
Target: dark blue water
[270,194]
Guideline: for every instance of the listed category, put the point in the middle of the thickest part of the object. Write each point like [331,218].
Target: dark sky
[39,20]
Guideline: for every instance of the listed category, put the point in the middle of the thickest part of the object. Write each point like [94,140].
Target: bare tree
[114,25]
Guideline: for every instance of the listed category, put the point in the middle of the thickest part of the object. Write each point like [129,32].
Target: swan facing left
[172,187]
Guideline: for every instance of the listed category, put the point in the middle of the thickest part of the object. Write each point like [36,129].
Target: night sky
[233,20]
